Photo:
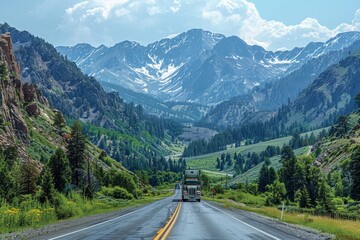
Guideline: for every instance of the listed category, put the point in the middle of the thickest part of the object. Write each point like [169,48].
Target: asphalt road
[142,223]
[205,221]
[196,220]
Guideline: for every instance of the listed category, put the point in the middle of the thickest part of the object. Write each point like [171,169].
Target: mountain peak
[233,45]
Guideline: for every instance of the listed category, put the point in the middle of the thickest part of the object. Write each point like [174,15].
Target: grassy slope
[208,161]
[252,174]
[336,151]
[44,140]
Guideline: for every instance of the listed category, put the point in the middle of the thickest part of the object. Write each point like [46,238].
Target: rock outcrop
[14,95]
[7,54]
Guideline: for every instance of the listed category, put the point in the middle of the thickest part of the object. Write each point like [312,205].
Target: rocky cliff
[16,99]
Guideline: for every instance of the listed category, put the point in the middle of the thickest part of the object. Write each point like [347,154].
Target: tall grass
[27,211]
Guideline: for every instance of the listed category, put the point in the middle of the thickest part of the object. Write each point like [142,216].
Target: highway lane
[196,220]
[142,223]
[205,221]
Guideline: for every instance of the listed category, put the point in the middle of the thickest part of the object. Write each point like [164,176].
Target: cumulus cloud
[230,17]
[247,23]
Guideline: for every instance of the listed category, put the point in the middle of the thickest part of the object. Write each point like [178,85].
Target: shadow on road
[176,200]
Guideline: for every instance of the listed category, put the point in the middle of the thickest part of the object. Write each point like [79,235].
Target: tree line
[300,181]
[251,132]
[243,163]
[66,170]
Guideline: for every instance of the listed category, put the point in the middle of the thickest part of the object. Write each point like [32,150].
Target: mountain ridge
[154,70]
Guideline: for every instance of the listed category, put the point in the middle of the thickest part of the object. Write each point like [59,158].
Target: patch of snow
[234,57]
[171,36]
[277,61]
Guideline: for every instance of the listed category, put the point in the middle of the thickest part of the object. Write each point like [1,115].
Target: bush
[116,192]
[337,201]
[145,191]
[122,193]
[65,208]
[218,189]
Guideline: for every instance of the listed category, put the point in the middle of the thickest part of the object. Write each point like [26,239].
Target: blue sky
[273,24]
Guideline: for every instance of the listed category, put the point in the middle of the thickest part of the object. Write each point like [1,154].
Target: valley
[106,132]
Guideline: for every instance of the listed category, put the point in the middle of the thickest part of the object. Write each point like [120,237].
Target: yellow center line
[164,232]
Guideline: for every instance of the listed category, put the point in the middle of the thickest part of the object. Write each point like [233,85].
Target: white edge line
[267,234]
[98,224]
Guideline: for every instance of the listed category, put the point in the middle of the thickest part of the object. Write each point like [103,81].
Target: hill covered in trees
[122,129]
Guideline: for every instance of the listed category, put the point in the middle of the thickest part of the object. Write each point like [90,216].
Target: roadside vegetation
[342,228]
[27,211]
[72,181]
[319,185]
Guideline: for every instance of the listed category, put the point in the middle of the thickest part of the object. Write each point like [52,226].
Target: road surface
[196,220]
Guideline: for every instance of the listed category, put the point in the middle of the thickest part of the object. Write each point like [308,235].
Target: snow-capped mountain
[197,65]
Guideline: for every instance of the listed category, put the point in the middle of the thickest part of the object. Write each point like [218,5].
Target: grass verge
[35,215]
[342,229]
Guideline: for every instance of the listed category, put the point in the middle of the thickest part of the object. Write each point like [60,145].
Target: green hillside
[208,161]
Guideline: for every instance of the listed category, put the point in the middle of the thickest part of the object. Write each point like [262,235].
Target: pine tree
[278,191]
[263,178]
[324,197]
[6,181]
[28,178]
[218,164]
[303,197]
[59,121]
[355,174]
[47,185]
[89,186]
[272,175]
[60,169]
[76,151]
[339,187]
[288,172]
[357,100]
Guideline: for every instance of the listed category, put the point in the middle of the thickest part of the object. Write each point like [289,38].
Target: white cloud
[121,12]
[101,9]
[176,6]
[77,6]
[153,10]
[159,18]
[214,16]
[242,17]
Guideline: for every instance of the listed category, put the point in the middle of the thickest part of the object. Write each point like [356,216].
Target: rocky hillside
[79,96]
[17,100]
[26,118]
[197,65]
[264,100]
[330,95]
[184,112]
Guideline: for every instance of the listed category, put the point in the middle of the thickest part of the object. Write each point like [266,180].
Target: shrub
[122,193]
[116,192]
[218,189]
[337,201]
[65,208]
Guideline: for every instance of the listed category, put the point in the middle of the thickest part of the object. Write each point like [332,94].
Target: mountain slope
[27,120]
[81,97]
[269,97]
[197,65]
[330,95]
